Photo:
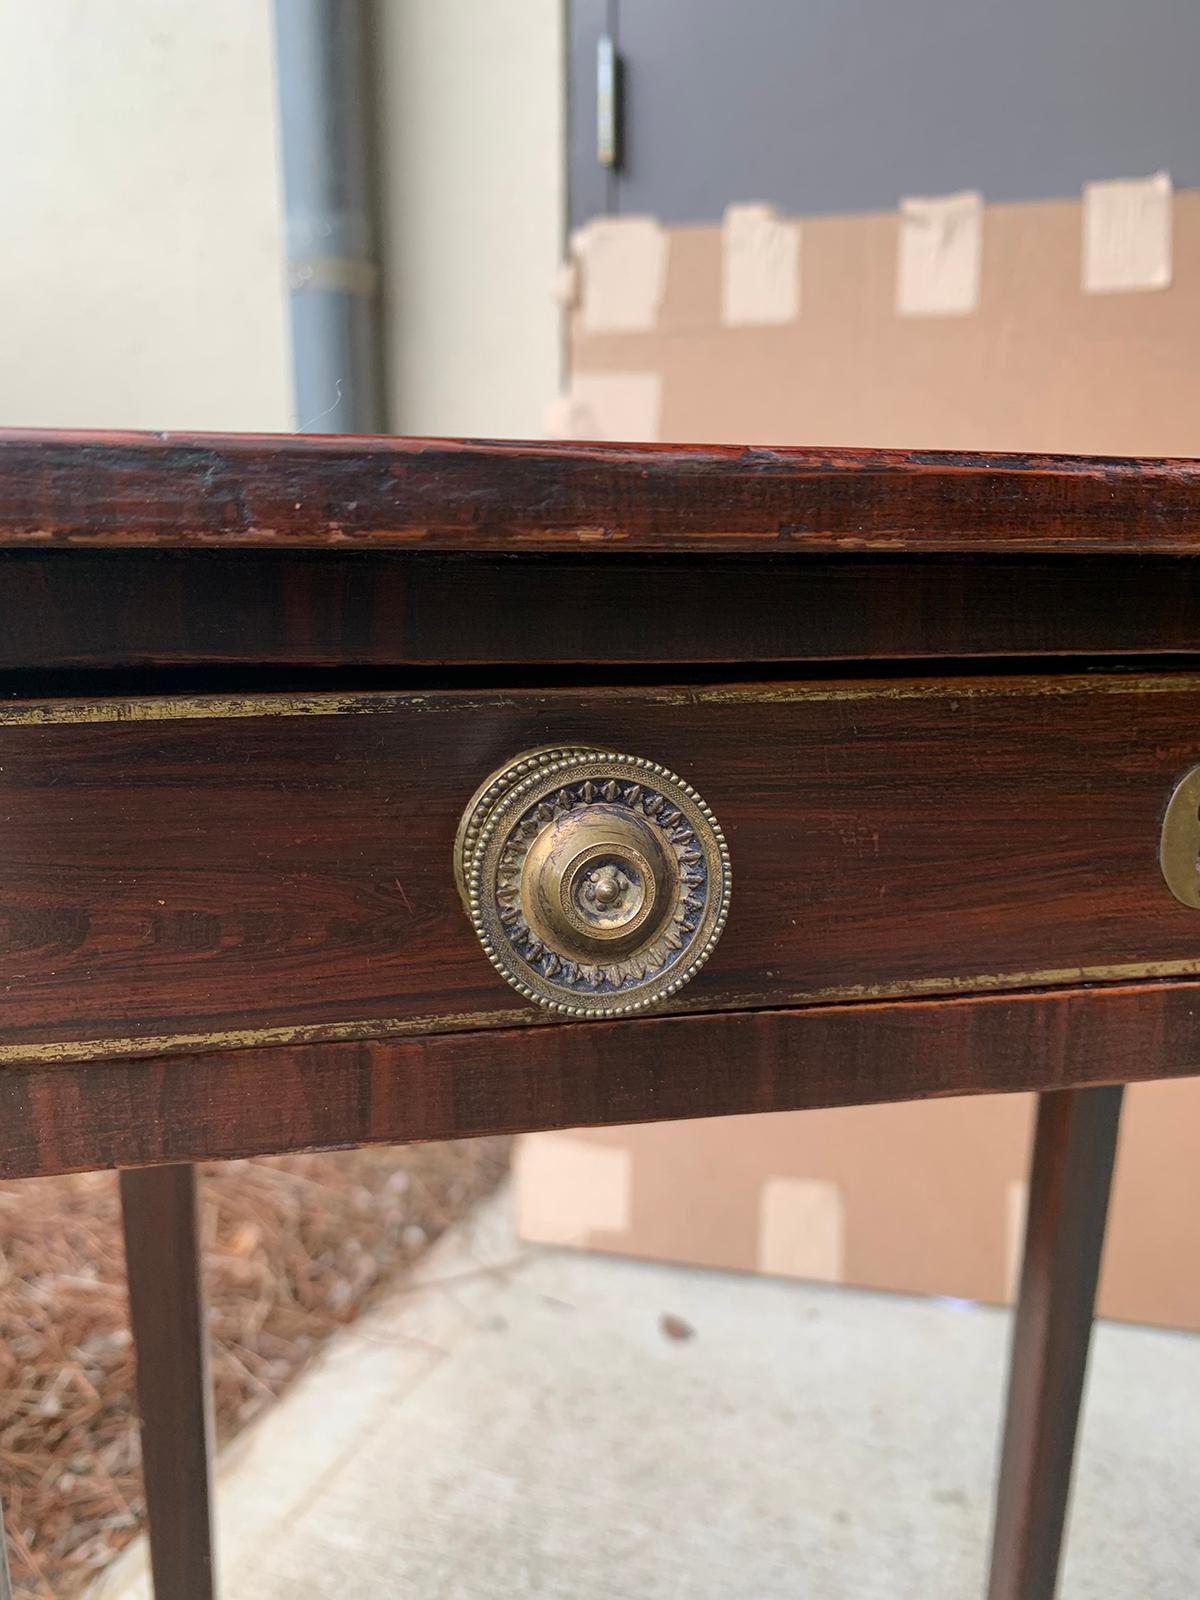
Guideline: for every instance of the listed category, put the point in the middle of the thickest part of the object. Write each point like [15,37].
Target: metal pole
[324,64]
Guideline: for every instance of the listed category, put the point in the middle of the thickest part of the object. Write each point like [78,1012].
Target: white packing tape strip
[624,273]
[940,255]
[802,1229]
[625,406]
[1127,234]
[568,1189]
[760,267]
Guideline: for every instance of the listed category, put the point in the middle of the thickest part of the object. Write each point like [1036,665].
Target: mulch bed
[295,1246]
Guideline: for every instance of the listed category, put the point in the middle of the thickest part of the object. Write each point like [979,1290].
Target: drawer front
[183,874]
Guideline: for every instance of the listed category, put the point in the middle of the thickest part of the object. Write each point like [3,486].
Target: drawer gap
[90,684]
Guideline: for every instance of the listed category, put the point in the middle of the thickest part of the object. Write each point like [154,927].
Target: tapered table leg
[5,1580]
[174,1396]
[1069,1184]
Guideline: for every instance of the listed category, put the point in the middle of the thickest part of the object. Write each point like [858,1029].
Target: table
[383,790]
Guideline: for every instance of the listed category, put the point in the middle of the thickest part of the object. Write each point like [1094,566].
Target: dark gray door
[846,105]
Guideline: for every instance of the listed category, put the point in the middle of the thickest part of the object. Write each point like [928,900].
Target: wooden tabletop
[177,490]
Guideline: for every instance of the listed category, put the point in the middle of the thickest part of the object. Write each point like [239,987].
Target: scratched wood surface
[180,873]
[165,489]
[135,609]
[67,1117]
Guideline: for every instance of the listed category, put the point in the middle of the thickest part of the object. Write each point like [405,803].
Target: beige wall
[473,212]
[141,273]
[141,279]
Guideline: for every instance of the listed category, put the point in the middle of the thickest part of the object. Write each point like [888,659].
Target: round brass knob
[598,883]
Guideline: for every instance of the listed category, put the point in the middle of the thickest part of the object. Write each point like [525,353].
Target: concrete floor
[517,1422]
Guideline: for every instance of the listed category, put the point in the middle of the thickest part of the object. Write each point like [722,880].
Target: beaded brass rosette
[598,883]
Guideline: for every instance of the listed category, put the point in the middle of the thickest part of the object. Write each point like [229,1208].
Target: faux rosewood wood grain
[62,1118]
[177,874]
[98,609]
[165,489]
[160,1212]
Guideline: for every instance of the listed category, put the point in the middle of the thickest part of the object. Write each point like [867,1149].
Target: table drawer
[190,873]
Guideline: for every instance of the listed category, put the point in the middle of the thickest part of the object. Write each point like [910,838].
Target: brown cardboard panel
[930,1194]
[925,1197]
[1153,1244]
[693,299]
[923,1188]
[1040,366]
